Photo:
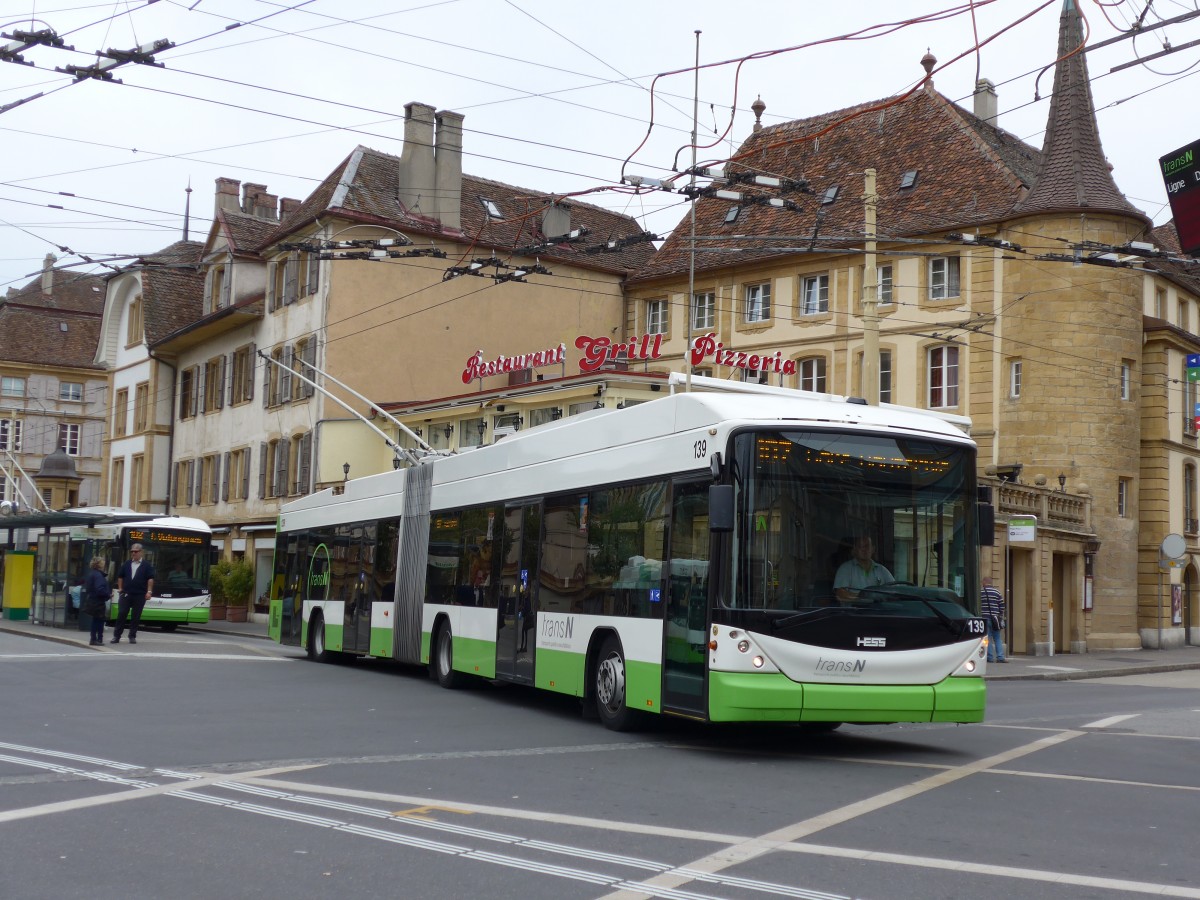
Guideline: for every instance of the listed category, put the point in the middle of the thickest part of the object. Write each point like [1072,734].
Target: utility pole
[870,296]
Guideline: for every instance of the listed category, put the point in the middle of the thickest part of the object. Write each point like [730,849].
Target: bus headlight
[969,665]
[758,662]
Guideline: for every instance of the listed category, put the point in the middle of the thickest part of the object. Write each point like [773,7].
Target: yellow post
[18,583]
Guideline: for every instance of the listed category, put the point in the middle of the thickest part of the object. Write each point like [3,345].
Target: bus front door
[685,636]
[515,633]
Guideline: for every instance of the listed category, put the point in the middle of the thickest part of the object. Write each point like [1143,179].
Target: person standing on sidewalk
[992,608]
[135,583]
[96,593]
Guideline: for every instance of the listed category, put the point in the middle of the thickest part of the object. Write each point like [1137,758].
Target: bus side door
[518,600]
[685,635]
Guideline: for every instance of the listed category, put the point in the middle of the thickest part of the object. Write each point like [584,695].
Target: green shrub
[232,582]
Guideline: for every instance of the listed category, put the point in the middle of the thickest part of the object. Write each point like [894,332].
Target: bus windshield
[849,521]
[180,559]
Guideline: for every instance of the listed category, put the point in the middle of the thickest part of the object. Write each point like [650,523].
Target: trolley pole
[691,297]
[870,298]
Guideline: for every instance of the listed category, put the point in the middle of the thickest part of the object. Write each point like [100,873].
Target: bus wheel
[610,687]
[316,642]
[443,659]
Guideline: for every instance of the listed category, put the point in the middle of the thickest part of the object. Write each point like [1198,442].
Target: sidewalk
[1065,667]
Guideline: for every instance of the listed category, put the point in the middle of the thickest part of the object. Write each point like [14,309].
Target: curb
[50,637]
[1095,673]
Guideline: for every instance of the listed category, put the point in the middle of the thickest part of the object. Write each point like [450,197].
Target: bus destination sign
[158,536]
[1181,174]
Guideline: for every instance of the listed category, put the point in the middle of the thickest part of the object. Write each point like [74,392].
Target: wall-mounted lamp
[345,471]
[482,428]
[395,462]
[555,413]
[417,431]
[448,430]
[1062,482]
[600,390]
[518,422]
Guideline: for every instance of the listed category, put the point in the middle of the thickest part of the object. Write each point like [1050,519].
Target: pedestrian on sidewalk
[991,603]
[96,594]
[135,583]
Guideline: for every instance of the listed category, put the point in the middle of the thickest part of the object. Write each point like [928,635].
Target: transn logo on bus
[871,642]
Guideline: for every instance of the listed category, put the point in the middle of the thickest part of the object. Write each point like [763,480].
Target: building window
[885,376]
[303,356]
[137,468]
[237,475]
[241,388]
[184,482]
[10,435]
[1126,379]
[1160,302]
[68,439]
[656,316]
[116,486]
[299,478]
[491,208]
[141,407]
[943,377]
[121,413]
[1183,315]
[1123,497]
[187,392]
[1190,526]
[812,374]
[758,302]
[1191,393]
[12,387]
[943,277]
[704,311]
[883,293]
[214,384]
[1014,378]
[71,391]
[312,273]
[219,284]
[814,298]
[134,330]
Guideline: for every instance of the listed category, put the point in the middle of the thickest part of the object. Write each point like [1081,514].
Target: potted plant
[238,585]
[216,590]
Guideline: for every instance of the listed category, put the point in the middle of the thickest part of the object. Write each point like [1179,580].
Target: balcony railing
[1053,508]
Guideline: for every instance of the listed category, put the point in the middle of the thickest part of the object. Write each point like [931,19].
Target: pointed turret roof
[1074,174]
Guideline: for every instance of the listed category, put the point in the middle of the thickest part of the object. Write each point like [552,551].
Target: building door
[1024,614]
[516,618]
[685,635]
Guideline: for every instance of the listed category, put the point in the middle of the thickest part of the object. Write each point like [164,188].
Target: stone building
[1008,287]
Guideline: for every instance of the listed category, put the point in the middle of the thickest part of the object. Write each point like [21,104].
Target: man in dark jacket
[135,584]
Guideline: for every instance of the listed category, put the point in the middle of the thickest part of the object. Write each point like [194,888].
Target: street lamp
[345,471]
[448,430]
[1062,482]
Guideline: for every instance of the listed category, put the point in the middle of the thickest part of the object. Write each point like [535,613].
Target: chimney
[448,167]
[556,220]
[287,206]
[48,273]
[265,206]
[250,193]
[417,172]
[227,193]
[985,101]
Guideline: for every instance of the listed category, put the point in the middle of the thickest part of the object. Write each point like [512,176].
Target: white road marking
[1110,721]
[1058,668]
[148,654]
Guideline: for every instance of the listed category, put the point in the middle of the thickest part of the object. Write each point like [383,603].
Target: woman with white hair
[97,594]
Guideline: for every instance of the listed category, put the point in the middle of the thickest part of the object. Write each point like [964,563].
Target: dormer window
[491,208]
[830,195]
[908,180]
[732,214]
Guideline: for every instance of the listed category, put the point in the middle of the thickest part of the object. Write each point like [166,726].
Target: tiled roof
[1186,276]
[967,173]
[69,291]
[369,182]
[1074,174]
[172,288]
[246,233]
[48,336]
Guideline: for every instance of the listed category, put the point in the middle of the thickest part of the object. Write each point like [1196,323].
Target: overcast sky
[556,95]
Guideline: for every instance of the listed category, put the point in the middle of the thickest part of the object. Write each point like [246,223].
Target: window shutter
[214,483]
[201,384]
[249,376]
[222,373]
[310,357]
[185,379]
[303,465]
[291,275]
[227,283]
[285,375]
[225,483]
[194,371]
[190,486]
[272,298]
[208,277]
[262,471]
[281,468]
[267,367]
[314,272]
[245,473]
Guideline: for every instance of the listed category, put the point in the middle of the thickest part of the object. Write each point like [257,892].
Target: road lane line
[1110,721]
[45,809]
[745,851]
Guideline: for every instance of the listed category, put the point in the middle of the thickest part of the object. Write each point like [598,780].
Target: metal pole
[687,352]
[871,366]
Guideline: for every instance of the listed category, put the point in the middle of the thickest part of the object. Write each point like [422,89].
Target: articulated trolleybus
[687,556]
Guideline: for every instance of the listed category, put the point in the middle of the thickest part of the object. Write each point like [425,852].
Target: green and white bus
[677,556]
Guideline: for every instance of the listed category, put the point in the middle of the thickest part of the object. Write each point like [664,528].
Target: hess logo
[870,642]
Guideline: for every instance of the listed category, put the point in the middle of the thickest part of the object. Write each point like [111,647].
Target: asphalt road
[207,766]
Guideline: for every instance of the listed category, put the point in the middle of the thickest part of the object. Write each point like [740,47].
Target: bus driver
[860,571]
